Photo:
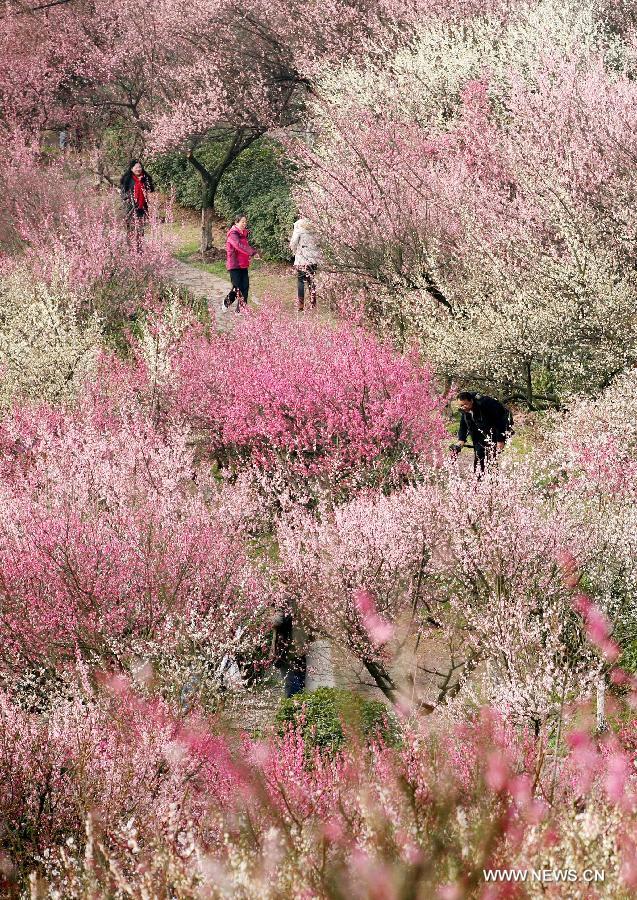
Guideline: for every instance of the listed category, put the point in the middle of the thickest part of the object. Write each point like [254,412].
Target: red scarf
[140,193]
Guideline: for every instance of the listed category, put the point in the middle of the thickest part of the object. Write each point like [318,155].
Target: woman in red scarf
[136,185]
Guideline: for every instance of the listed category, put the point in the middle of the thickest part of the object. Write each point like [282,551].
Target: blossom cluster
[331,406]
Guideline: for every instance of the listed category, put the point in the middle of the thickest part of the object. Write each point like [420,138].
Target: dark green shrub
[271,217]
[173,172]
[328,714]
[260,169]
[257,183]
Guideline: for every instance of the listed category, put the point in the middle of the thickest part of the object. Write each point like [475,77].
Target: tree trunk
[602,725]
[210,181]
[207,213]
[529,383]
[382,678]
[209,184]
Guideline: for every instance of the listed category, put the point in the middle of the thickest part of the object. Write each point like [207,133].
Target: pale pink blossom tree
[483,202]
[461,579]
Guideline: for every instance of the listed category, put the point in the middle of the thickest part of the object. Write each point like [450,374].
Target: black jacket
[488,421]
[127,188]
[289,644]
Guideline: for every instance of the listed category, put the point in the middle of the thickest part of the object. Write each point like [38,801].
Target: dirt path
[208,287]
[206,278]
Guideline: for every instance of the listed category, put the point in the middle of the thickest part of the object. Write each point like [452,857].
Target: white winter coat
[304,244]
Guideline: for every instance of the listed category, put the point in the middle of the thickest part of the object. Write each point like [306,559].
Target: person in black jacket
[289,653]
[135,186]
[487,421]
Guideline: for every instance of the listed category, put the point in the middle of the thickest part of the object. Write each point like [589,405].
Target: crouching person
[487,422]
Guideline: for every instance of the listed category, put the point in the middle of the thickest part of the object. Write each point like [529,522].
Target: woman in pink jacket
[239,254]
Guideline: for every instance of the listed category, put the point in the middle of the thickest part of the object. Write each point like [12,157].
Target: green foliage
[327,715]
[271,217]
[257,183]
[173,172]
[628,660]
[260,169]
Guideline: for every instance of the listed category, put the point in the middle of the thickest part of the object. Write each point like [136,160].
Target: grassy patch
[328,716]
[184,253]
[273,278]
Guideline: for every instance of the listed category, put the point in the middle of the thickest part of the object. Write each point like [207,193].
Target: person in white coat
[307,258]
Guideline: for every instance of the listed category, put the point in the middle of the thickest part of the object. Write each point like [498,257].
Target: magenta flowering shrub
[332,406]
[259,816]
[110,550]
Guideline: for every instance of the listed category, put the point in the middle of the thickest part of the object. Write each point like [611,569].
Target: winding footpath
[204,285]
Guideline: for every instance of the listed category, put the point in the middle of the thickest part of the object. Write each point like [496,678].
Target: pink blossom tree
[321,408]
[482,202]
[246,69]
[110,552]
[173,74]
[278,820]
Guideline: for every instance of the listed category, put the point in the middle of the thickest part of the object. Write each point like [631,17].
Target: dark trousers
[482,454]
[293,674]
[479,457]
[306,274]
[294,682]
[136,221]
[240,280]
